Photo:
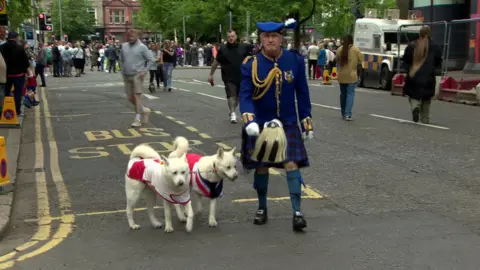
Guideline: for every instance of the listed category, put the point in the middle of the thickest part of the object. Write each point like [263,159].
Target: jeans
[18,84]
[112,66]
[102,63]
[40,70]
[67,67]
[155,74]
[347,95]
[56,68]
[167,73]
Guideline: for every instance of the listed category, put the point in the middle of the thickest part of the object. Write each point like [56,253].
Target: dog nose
[180,183]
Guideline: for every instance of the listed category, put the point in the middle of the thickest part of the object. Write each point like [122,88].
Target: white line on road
[325,106]
[200,81]
[207,95]
[184,90]
[150,96]
[407,121]
[183,81]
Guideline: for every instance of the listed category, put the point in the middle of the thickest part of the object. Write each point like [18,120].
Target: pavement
[382,192]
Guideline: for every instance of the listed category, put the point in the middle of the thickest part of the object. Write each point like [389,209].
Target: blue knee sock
[260,184]
[294,180]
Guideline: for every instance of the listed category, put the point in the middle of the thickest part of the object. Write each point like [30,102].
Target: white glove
[252,129]
[275,121]
[308,136]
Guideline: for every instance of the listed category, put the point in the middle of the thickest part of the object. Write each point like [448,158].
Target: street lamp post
[184,32]
[60,19]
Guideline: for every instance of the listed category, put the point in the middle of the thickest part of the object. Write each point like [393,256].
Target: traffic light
[45,22]
[48,20]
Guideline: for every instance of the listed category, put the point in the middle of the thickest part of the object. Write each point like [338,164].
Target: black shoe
[169,89]
[260,217]
[415,114]
[299,223]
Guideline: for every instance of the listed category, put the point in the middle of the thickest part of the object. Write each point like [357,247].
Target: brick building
[96,11]
[118,17]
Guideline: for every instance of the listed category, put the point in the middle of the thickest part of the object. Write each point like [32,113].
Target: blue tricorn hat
[273,27]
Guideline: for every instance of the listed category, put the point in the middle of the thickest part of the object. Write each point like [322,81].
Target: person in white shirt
[313,52]
[102,58]
[330,59]
[77,56]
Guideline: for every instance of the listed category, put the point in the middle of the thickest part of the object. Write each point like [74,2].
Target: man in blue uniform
[271,81]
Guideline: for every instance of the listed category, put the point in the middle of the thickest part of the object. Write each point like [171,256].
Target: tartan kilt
[296,151]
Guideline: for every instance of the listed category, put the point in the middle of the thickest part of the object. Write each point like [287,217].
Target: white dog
[207,174]
[150,174]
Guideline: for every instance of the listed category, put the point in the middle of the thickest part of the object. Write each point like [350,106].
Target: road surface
[383,193]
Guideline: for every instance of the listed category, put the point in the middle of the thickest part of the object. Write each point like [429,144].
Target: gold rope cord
[261,87]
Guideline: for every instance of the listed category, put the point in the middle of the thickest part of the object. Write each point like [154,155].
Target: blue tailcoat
[294,85]
[265,109]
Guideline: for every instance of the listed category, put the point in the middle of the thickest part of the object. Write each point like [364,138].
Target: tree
[203,17]
[76,21]
[337,15]
[18,12]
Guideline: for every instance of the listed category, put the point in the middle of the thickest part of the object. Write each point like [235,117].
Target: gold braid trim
[261,87]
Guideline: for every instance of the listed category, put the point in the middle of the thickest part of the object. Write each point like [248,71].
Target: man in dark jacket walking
[17,64]
[112,56]
[56,59]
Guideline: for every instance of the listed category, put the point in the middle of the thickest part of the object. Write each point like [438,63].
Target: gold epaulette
[246,59]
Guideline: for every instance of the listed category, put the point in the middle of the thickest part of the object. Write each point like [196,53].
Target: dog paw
[212,222]
[157,225]
[169,229]
[135,227]
[189,227]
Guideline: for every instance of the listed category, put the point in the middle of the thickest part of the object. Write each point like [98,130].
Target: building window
[117,16]
[92,12]
[135,14]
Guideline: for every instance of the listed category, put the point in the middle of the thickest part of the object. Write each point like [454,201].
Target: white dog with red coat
[206,177]
[152,175]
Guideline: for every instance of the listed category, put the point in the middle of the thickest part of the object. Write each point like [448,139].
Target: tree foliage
[76,21]
[18,12]
[204,17]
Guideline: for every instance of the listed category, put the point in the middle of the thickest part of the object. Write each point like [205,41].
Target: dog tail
[180,147]
[144,151]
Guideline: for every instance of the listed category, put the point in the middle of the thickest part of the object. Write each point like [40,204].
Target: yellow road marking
[7,265]
[192,129]
[67,219]
[26,246]
[169,117]
[7,256]
[226,147]
[312,192]
[96,213]
[180,122]
[157,112]
[205,136]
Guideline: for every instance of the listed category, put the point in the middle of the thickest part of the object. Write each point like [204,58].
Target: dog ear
[165,159]
[184,156]
[220,153]
[233,150]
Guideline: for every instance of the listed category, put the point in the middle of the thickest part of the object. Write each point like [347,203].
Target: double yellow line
[43,234]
